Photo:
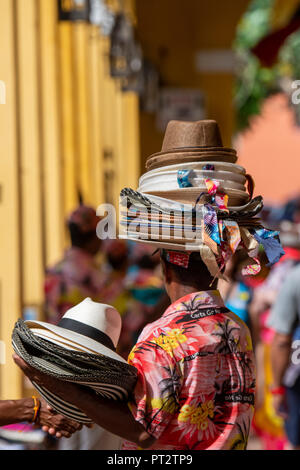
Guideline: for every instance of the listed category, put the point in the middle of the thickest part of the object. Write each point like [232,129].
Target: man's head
[192,278]
[116,253]
[82,225]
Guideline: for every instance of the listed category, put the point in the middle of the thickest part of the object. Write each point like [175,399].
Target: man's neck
[177,291]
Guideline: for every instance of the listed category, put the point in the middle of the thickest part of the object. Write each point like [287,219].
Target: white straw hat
[94,326]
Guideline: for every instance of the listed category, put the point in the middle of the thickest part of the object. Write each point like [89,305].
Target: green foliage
[254,83]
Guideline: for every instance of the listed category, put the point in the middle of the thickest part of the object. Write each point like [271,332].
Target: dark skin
[92,246]
[176,288]
[280,358]
[115,417]
[18,411]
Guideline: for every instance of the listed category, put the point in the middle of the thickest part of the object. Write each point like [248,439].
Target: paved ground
[254,443]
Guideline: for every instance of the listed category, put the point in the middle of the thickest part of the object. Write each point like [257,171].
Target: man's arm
[282,319]
[19,411]
[16,411]
[280,357]
[113,416]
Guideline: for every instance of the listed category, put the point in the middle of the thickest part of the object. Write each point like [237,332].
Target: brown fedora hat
[176,158]
[191,141]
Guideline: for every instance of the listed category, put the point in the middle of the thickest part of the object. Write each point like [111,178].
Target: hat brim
[195,150]
[178,158]
[161,203]
[165,245]
[63,342]
[219,166]
[63,333]
[171,172]
[190,195]
[61,406]
[172,185]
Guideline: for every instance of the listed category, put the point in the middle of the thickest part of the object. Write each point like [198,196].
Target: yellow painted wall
[10,235]
[171,32]
[65,125]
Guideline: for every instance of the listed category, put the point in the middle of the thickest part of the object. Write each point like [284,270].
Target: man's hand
[49,420]
[55,424]
[280,406]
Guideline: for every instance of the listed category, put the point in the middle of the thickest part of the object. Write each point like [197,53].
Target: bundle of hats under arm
[194,197]
[81,349]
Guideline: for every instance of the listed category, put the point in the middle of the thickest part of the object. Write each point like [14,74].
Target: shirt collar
[204,299]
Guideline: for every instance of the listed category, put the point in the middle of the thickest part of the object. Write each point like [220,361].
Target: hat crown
[185,134]
[102,317]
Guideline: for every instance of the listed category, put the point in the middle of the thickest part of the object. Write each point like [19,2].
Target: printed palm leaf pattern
[230,344]
[196,376]
[169,392]
[228,341]
[247,366]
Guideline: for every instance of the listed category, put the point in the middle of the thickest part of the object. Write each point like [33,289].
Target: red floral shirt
[196,377]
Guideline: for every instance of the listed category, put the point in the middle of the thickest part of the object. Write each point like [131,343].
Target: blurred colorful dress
[266,423]
[146,304]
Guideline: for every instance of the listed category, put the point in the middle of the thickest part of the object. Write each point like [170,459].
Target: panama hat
[81,349]
[89,324]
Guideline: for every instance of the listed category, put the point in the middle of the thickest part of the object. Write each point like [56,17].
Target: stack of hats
[194,197]
[80,349]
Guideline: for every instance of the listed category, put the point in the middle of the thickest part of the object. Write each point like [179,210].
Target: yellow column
[82,119]
[131,139]
[67,112]
[50,127]
[120,156]
[95,80]
[109,127]
[10,253]
[30,153]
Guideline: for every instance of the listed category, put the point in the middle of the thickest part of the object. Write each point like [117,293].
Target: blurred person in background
[114,271]
[285,322]
[148,297]
[76,277]
[133,285]
[269,426]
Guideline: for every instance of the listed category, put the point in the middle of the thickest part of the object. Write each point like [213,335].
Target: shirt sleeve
[284,313]
[156,395]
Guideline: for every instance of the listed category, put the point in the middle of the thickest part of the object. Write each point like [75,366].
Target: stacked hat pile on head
[80,349]
[194,197]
